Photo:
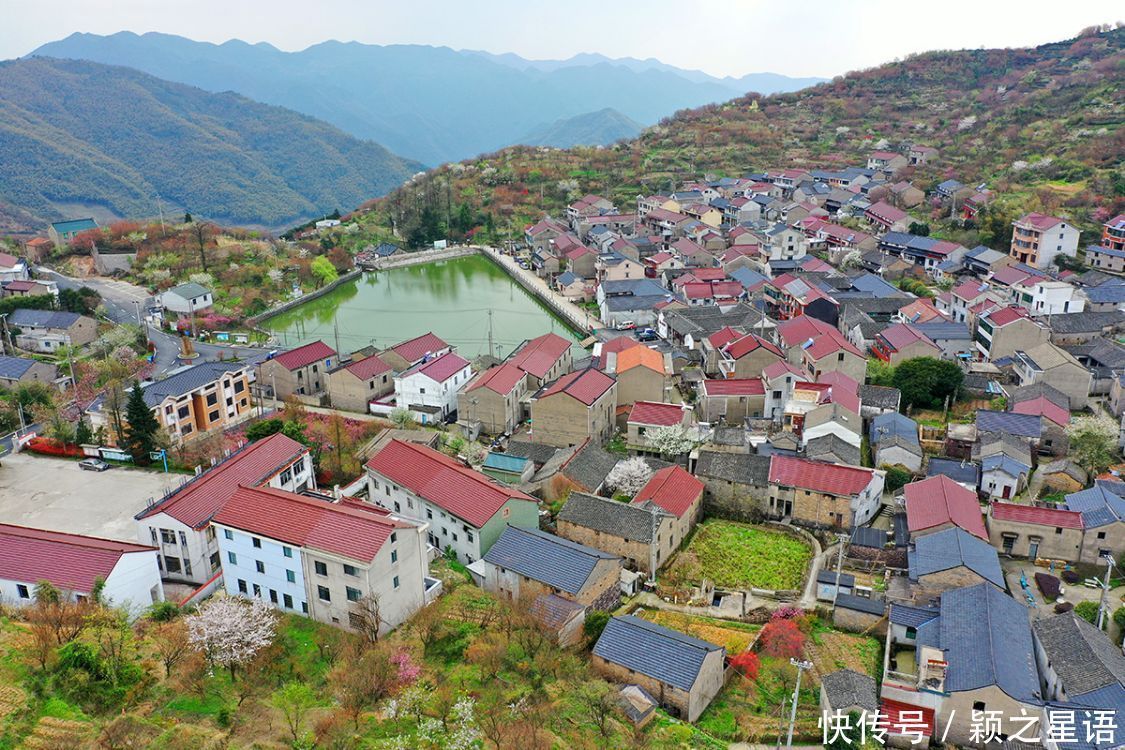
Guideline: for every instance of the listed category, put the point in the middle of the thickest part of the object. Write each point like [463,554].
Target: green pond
[452,298]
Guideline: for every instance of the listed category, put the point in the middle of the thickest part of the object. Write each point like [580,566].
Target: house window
[242,586]
[168,537]
[290,576]
[322,592]
[260,566]
[304,608]
[352,594]
[183,539]
[321,568]
[228,534]
[232,558]
[257,591]
[287,551]
[469,536]
[22,591]
[394,556]
[429,513]
[1058,530]
[286,476]
[349,570]
[273,596]
[978,706]
[395,581]
[1101,535]
[239,386]
[287,601]
[911,632]
[256,542]
[394,537]
[213,416]
[212,399]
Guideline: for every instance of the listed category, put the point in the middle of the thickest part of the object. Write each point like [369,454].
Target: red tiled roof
[368,367]
[780,368]
[70,562]
[1039,221]
[818,476]
[748,343]
[734,387]
[1044,407]
[337,528]
[443,481]
[440,369]
[540,354]
[615,346]
[673,489]
[970,290]
[938,500]
[500,379]
[843,391]
[1009,275]
[886,212]
[902,335]
[19,285]
[416,348]
[586,386]
[640,356]
[194,503]
[7,260]
[1006,315]
[659,258]
[905,719]
[723,336]
[578,252]
[304,355]
[1067,519]
[656,413]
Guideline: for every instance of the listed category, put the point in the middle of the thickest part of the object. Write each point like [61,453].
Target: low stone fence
[421,256]
[255,321]
[572,315]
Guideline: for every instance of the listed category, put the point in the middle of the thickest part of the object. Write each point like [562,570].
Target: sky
[720,37]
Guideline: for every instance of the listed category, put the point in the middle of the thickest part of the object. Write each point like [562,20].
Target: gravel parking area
[51,493]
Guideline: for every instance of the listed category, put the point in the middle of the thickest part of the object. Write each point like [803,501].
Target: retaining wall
[255,321]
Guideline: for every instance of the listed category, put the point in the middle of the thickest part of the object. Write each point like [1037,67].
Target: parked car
[647,334]
[93,464]
[626,325]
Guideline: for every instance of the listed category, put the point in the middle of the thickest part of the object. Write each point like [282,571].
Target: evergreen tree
[83,435]
[140,437]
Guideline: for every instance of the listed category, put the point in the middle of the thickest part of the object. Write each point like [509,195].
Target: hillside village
[813,469]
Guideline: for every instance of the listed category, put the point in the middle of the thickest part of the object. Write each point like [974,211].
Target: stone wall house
[302,371]
[1034,532]
[77,330]
[642,374]
[578,406]
[16,370]
[823,495]
[356,384]
[636,534]
[946,560]
[493,399]
[732,401]
[737,485]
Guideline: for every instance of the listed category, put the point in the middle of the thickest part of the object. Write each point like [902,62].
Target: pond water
[452,298]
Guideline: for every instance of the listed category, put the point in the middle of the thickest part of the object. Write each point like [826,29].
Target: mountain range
[80,138]
[432,104]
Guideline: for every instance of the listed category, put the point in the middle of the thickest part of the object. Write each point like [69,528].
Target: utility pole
[801,667]
[839,565]
[1105,589]
[654,544]
[4,343]
[336,333]
[491,350]
[137,306]
[273,389]
[160,208]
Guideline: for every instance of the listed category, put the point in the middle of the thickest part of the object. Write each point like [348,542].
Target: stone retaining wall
[257,320]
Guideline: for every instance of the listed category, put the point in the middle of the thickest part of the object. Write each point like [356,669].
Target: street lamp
[802,666]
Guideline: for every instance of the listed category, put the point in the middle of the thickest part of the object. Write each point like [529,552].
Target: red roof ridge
[304,355]
[79,540]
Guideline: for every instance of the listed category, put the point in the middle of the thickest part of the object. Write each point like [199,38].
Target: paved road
[126,303]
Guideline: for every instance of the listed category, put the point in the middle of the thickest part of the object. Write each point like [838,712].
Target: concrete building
[645,416]
[1035,532]
[493,400]
[62,232]
[344,563]
[17,370]
[902,341]
[187,299]
[354,385]
[682,673]
[938,503]
[73,564]
[731,401]
[298,372]
[465,510]
[72,328]
[1038,238]
[818,347]
[642,374]
[1003,332]
[640,535]
[544,358]
[1050,364]
[408,353]
[578,406]
[429,389]
[178,524]
[1041,296]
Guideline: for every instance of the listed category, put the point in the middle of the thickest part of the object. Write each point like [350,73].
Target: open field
[736,555]
[734,636]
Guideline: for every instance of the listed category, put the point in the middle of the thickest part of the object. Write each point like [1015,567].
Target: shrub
[747,664]
[163,611]
[782,639]
[595,624]
[897,478]
[49,447]
[1088,611]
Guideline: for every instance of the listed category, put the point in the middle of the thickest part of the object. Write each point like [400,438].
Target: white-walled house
[187,298]
[465,510]
[73,563]
[429,388]
[179,524]
[336,562]
[1041,296]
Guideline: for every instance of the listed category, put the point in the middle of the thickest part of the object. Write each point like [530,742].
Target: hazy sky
[721,37]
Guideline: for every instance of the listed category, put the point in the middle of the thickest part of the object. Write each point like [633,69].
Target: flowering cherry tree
[230,631]
[675,440]
[629,476]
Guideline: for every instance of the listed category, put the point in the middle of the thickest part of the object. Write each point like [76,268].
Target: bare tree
[172,644]
[366,617]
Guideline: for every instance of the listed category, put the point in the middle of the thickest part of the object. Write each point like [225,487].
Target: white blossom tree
[674,440]
[230,631]
[629,476]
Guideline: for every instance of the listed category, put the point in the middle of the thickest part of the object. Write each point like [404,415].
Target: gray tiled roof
[861,604]
[1000,462]
[187,380]
[865,536]
[953,548]
[630,522]
[962,472]
[1034,391]
[847,580]
[880,396]
[987,640]
[42,318]
[627,303]
[557,562]
[905,614]
[589,466]
[554,611]
[1084,322]
[655,651]
[1083,656]
[847,688]
[190,290]
[892,423]
[13,368]
[741,468]
[832,445]
[1098,506]
[1024,425]
[539,453]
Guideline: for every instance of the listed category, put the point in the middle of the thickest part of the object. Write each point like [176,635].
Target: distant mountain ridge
[86,138]
[591,129]
[433,104]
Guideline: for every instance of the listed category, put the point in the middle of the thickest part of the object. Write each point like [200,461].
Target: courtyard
[54,493]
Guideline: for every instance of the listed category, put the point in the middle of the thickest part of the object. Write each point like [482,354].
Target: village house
[1081,669]
[344,563]
[556,579]
[404,355]
[642,374]
[902,341]
[683,674]
[189,402]
[886,161]
[894,441]
[576,406]
[645,416]
[740,355]
[1050,364]
[731,401]
[573,287]
[1103,517]
[16,370]
[429,389]
[1047,297]
[1004,331]
[821,494]
[186,299]
[1037,239]
[677,492]
[355,384]
[947,661]
[887,218]
[946,560]
[1036,532]
[493,400]
[845,691]
[540,235]
[465,511]
[75,565]
[820,348]
[543,358]
[297,372]
[71,328]
[642,535]
[905,195]
[62,232]
[938,503]
[179,524]
[831,406]
[737,483]
[25,287]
